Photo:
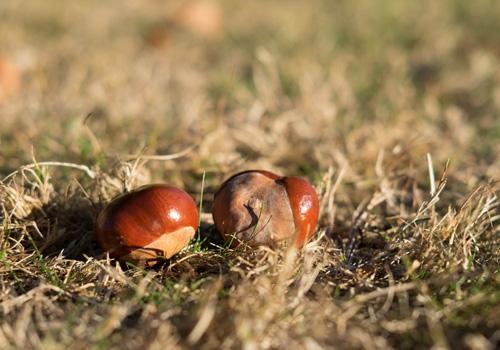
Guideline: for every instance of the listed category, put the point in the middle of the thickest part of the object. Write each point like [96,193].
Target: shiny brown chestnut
[258,207]
[151,222]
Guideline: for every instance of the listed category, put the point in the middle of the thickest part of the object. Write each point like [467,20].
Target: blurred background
[298,86]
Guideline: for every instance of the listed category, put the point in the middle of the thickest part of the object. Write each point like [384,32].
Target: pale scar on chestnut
[164,247]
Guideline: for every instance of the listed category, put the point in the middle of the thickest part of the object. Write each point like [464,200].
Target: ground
[390,108]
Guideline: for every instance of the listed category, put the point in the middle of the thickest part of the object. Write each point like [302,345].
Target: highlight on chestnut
[147,224]
[258,207]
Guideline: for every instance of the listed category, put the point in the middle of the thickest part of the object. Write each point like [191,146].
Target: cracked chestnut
[258,207]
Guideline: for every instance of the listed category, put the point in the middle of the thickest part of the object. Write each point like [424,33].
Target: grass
[390,108]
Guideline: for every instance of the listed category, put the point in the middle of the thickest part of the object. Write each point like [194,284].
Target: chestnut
[147,223]
[10,78]
[258,207]
[203,18]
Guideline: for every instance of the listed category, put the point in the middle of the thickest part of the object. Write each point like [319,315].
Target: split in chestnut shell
[258,207]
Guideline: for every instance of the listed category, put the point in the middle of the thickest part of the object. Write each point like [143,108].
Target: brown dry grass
[364,98]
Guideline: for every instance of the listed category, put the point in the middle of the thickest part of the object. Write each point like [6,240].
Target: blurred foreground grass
[351,94]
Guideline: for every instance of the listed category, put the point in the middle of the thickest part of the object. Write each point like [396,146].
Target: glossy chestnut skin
[258,207]
[147,223]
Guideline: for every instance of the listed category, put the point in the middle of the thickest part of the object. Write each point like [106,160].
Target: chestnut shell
[149,222]
[258,207]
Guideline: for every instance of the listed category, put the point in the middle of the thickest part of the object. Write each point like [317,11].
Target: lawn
[390,108]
